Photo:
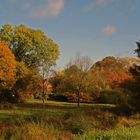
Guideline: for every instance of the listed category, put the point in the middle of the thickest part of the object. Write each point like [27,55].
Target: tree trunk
[78,104]
[43,100]
[43,88]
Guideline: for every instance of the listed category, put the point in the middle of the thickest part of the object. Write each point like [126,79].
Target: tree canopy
[29,45]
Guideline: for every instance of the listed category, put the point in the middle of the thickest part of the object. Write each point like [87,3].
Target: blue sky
[96,28]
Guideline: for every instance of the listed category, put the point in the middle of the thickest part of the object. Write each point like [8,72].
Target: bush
[7,96]
[7,106]
[58,97]
[11,96]
[116,96]
[70,97]
[135,101]
[78,127]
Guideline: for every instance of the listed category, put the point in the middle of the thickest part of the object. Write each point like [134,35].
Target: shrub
[115,96]
[58,97]
[7,106]
[78,127]
[123,121]
[70,97]
[7,96]
[77,124]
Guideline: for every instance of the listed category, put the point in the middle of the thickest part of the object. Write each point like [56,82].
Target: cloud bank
[51,9]
[96,3]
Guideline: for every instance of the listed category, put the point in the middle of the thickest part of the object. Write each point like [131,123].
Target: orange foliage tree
[117,78]
[7,67]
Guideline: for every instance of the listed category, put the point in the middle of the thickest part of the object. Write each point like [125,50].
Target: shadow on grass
[63,106]
[118,110]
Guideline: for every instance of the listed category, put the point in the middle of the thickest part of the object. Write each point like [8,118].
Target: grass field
[65,121]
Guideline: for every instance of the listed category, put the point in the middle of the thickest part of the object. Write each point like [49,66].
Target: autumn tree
[29,45]
[118,78]
[7,67]
[58,82]
[77,78]
[114,71]
[21,89]
[99,82]
[32,47]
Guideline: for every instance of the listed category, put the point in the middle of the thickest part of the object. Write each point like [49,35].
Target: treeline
[108,81]
[111,81]
[27,57]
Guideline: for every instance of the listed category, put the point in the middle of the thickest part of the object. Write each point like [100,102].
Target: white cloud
[96,3]
[109,30]
[51,9]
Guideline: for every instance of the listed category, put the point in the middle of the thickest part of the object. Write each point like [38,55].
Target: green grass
[65,121]
[52,108]
[119,134]
[4,117]
[13,114]
[57,103]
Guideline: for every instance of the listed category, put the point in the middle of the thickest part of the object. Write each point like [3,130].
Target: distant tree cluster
[74,80]
[106,81]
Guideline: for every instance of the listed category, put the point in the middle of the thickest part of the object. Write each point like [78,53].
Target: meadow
[65,121]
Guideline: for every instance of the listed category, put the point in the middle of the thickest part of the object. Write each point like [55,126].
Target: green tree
[48,60]
[136,69]
[138,49]
[134,86]
[29,45]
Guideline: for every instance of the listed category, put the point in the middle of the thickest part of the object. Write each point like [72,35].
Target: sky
[94,28]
